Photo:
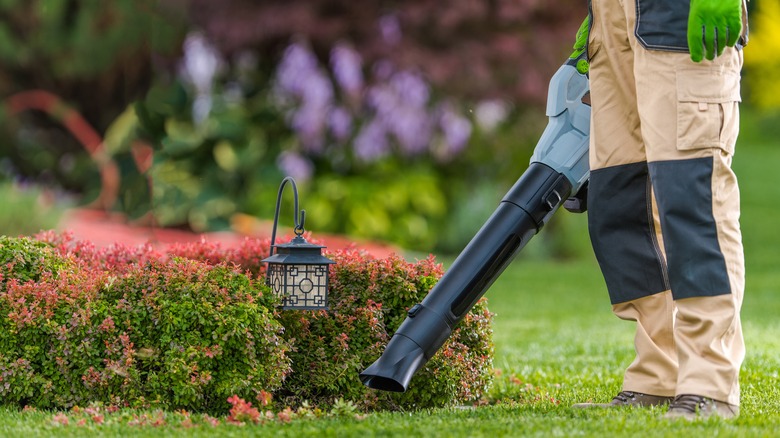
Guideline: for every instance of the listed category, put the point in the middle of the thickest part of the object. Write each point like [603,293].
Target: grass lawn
[557,343]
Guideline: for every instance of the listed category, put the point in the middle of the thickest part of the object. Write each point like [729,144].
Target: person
[663,201]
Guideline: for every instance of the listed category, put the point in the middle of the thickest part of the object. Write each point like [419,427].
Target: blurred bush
[469,49]
[27,210]
[204,170]
[380,157]
[96,56]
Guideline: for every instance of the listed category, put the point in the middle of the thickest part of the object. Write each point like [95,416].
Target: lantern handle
[298,229]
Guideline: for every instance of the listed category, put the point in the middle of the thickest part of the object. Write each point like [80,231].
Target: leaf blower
[557,175]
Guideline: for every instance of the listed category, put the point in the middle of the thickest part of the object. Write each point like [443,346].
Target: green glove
[713,24]
[581,45]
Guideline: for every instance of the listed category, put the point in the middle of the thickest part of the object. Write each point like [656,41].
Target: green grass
[557,343]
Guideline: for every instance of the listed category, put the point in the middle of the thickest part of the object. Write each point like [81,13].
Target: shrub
[247,255]
[194,328]
[26,259]
[214,335]
[368,300]
[459,373]
[173,333]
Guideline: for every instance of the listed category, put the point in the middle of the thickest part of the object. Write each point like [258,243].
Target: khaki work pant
[665,118]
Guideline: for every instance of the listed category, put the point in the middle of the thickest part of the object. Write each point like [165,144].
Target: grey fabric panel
[684,193]
[662,24]
[622,232]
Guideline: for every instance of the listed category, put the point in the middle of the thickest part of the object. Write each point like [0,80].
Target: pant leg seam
[654,236]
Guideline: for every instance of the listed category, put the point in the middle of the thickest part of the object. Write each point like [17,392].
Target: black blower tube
[525,209]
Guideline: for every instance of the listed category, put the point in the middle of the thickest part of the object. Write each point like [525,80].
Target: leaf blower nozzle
[393,371]
[413,344]
[558,169]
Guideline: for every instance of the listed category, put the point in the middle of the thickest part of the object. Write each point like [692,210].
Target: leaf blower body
[558,170]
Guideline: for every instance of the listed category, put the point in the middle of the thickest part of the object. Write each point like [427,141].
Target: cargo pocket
[707,108]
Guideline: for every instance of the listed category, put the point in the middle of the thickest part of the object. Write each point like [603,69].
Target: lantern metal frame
[298,273]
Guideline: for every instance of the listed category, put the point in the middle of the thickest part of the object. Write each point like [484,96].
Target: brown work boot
[629,398]
[692,407]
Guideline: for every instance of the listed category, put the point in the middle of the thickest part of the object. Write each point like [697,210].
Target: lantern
[298,272]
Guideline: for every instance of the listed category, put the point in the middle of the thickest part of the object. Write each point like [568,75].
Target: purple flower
[410,88]
[347,69]
[401,107]
[371,142]
[294,69]
[318,90]
[390,29]
[412,128]
[200,64]
[295,165]
[382,99]
[456,129]
[398,107]
[382,70]
[299,79]
[490,113]
[309,123]
[340,123]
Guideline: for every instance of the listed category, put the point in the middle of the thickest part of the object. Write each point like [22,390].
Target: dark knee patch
[622,231]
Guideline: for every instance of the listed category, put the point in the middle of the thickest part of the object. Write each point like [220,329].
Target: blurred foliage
[204,172]
[762,59]
[97,56]
[77,39]
[25,211]
[230,157]
[471,49]
[405,204]
[223,139]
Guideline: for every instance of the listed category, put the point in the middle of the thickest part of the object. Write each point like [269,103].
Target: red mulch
[104,229]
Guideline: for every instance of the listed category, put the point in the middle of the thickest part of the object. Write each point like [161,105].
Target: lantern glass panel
[275,279]
[300,286]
